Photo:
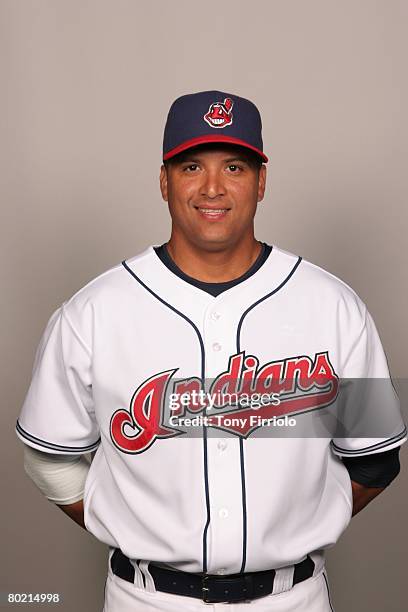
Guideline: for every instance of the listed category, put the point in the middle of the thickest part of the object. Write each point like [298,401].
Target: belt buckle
[245,580]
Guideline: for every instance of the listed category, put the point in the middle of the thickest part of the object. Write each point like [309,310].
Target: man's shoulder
[321,285]
[108,287]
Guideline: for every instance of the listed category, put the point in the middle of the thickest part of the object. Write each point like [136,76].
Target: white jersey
[240,492]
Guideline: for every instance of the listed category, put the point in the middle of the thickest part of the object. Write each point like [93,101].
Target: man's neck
[215,266]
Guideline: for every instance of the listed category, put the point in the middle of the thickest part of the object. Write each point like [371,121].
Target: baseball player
[214,381]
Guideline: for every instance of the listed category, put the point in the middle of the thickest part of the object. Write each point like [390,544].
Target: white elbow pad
[61,478]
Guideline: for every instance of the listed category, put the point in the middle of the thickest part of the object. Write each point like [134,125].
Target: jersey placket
[224,538]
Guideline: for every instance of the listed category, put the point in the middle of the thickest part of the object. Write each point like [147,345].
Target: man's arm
[74,511]
[362,495]
[370,475]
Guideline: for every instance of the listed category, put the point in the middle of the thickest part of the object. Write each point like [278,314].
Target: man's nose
[212,185]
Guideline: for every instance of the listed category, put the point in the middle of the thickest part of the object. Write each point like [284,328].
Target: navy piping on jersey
[207,498]
[265,297]
[328,591]
[244,506]
[66,449]
[373,447]
[241,441]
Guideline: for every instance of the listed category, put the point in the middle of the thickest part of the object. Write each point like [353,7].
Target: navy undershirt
[377,470]
[213,288]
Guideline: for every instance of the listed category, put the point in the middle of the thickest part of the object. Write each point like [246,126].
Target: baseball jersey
[209,484]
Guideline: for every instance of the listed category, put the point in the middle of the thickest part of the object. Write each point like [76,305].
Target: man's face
[212,193]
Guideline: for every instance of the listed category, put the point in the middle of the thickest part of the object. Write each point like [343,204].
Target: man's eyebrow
[240,158]
[189,160]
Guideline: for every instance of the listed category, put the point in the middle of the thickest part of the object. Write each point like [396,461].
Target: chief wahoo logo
[220,114]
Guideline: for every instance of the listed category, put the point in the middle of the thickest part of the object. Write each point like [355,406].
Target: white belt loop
[110,554]
[138,581]
[318,559]
[283,580]
[150,586]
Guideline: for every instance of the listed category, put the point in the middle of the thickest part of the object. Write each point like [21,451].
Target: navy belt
[210,588]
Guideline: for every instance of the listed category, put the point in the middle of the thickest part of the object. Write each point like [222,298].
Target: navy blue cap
[212,116]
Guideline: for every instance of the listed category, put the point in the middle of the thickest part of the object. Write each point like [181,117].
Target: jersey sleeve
[369,414]
[58,414]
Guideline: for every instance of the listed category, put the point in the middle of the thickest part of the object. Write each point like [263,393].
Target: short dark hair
[253,158]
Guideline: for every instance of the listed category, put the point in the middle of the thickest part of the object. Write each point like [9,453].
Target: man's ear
[163,182]
[261,182]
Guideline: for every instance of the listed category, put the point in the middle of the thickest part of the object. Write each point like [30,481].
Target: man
[207,373]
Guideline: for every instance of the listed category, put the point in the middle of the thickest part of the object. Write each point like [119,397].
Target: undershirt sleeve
[377,470]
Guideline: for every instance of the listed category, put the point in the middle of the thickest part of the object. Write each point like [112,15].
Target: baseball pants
[311,595]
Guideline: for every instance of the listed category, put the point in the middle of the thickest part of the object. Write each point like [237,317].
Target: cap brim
[194,142]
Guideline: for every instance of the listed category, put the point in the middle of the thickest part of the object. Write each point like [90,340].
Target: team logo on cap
[220,114]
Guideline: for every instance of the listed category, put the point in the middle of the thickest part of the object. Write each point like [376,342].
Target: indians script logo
[220,114]
[300,383]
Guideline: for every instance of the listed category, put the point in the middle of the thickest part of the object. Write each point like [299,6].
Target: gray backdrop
[86,86]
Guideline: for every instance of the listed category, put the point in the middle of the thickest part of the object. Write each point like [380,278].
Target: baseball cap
[212,116]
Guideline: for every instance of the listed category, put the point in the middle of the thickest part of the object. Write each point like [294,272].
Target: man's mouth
[212,213]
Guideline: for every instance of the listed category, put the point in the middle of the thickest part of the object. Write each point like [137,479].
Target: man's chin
[213,242]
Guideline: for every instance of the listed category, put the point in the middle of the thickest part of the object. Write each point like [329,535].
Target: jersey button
[222,445]
[223,513]
[216,346]
[215,315]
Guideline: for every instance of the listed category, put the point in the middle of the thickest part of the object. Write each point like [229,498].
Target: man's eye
[234,168]
[191,168]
